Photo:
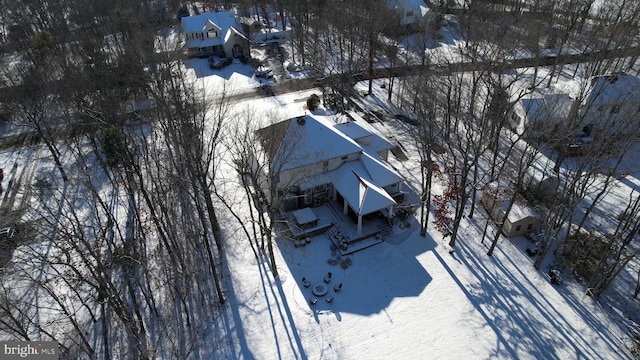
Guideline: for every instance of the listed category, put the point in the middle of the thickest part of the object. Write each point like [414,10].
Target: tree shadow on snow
[364,282]
[522,311]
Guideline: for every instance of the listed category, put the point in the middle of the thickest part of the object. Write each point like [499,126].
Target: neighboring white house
[314,161]
[412,12]
[215,33]
[539,112]
[521,219]
[612,104]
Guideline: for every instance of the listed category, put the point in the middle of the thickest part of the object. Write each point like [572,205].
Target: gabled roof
[550,107]
[209,25]
[303,141]
[613,89]
[418,7]
[199,23]
[520,210]
[358,128]
[362,195]
[502,192]
[375,170]
[306,140]
[234,32]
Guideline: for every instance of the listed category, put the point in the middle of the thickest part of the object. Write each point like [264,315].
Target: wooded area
[124,254]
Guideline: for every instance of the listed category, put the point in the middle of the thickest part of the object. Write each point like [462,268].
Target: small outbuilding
[521,218]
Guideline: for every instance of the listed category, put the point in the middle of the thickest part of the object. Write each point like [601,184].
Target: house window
[518,227]
[307,197]
[516,119]
[344,157]
[530,226]
[409,13]
[212,34]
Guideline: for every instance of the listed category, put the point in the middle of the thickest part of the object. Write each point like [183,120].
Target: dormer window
[212,34]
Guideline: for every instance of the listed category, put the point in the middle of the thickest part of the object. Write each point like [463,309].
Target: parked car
[263,72]
[217,63]
[532,251]
[7,232]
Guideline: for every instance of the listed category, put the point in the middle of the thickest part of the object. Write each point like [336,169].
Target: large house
[539,113]
[412,12]
[313,161]
[612,104]
[215,33]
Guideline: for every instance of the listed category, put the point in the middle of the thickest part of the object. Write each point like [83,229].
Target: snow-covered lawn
[407,298]
[412,299]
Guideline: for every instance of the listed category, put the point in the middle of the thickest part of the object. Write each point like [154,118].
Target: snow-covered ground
[407,297]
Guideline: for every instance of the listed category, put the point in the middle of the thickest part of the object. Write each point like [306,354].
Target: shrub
[313,102]
[114,146]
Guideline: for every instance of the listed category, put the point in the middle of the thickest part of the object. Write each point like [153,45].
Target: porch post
[359,224]
[345,210]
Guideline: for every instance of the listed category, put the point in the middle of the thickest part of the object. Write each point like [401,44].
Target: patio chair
[337,287]
[327,277]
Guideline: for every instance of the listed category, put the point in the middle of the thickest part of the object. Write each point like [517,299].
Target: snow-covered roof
[502,192]
[375,170]
[550,107]
[308,140]
[305,140]
[234,32]
[223,20]
[520,210]
[359,128]
[304,216]
[353,130]
[362,195]
[407,5]
[417,8]
[613,89]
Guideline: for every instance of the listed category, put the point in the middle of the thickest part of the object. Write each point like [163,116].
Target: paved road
[291,85]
